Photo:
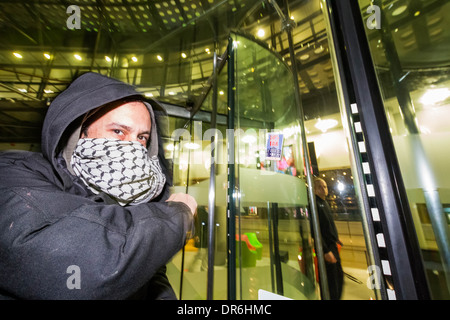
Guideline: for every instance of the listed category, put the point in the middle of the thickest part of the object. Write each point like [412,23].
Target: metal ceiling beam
[14,24]
[18,92]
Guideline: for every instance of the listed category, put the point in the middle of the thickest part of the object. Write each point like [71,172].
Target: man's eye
[117,131]
[143,138]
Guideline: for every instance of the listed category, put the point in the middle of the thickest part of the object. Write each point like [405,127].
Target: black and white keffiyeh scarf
[122,169]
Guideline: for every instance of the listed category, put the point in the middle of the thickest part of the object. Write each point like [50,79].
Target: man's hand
[186,199]
[329,257]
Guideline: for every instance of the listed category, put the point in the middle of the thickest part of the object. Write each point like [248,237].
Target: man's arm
[55,245]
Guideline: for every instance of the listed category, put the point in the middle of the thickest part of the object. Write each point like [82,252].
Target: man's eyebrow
[125,127]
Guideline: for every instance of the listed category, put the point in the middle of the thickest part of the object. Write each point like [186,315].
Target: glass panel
[273,241]
[191,170]
[410,52]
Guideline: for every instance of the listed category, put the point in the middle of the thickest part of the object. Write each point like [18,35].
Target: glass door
[269,219]
[263,231]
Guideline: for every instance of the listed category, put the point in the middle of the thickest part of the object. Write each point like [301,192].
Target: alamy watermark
[374,20]
[74,20]
[212,147]
[74,280]
[374,279]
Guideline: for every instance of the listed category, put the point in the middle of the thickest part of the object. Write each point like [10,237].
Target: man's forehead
[126,112]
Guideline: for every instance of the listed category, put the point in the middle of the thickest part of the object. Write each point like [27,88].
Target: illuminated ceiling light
[149,94]
[399,10]
[48,91]
[159,57]
[183,55]
[319,50]
[207,50]
[78,57]
[304,57]
[47,56]
[434,96]
[23,90]
[17,55]
[171,93]
[261,33]
[417,13]
[221,92]
[134,59]
[324,125]
[108,59]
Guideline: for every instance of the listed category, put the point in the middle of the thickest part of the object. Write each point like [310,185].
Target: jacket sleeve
[57,245]
[159,287]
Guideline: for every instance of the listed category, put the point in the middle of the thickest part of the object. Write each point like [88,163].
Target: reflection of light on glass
[170,147]
[192,145]
[340,186]
[289,131]
[399,10]
[324,125]
[261,33]
[434,96]
[424,130]
[249,139]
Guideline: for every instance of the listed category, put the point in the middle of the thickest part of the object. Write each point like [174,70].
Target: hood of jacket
[62,125]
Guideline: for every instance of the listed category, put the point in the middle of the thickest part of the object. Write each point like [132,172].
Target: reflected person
[91,217]
[330,240]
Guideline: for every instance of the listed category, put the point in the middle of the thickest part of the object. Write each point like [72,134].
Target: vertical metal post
[212,185]
[269,228]
[276,249]
[287,26]
[231,209]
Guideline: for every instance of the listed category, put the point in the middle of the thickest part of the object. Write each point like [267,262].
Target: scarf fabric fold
[121,169]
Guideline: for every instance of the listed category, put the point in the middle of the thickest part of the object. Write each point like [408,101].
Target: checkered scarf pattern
[122,169]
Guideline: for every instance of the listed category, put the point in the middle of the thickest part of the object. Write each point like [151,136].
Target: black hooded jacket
[58,240]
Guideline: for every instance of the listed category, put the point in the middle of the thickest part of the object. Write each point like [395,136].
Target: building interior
[178,53]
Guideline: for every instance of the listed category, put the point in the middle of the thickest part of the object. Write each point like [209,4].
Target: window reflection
[410,55]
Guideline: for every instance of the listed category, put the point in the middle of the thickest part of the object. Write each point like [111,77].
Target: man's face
[128,122]
[321,189]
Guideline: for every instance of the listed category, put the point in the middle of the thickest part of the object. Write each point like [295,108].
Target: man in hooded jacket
[75,222]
